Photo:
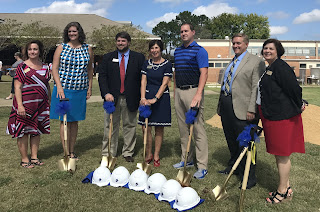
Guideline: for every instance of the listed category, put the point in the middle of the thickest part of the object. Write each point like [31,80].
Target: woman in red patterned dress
[29,116]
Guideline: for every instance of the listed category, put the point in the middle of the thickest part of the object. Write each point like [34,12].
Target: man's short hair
[242,35]
[190,25]
[123,35]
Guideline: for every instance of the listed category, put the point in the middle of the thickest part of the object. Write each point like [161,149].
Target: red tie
[122,74]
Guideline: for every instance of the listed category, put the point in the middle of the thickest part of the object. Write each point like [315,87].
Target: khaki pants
[183,100]
[129,123]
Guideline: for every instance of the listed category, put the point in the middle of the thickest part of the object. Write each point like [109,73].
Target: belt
[186,87]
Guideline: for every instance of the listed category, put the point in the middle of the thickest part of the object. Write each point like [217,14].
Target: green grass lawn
[47,189]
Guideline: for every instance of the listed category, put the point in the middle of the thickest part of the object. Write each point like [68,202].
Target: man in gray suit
[237,102]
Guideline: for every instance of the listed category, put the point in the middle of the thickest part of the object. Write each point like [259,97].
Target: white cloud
[215,9]
[99,7]
[278,30]
[312,16]
[211,10]
[166,18]
[278,15]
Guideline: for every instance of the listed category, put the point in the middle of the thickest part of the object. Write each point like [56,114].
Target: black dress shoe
[225,171]
[129,159]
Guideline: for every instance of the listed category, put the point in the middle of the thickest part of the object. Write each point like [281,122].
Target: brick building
[302,56]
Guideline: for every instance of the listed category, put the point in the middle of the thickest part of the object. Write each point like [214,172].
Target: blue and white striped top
[187,62]
[73,67]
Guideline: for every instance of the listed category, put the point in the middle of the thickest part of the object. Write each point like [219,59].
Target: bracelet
[142,98]
[156,98]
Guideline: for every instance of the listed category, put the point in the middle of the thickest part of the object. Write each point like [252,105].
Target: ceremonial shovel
[221,192]
[184,177]
[145,166]
[109,161]
[67,163]
[247,167]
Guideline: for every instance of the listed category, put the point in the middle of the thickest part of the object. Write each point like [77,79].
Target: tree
[256,27]
[169,34]
[50,36]
[8,29]
[104,39]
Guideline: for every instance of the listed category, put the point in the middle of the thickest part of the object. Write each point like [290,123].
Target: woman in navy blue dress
[156,75]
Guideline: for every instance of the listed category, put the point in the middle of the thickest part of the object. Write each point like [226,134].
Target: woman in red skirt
[280,107]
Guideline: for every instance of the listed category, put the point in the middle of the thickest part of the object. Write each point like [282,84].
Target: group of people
[249,91]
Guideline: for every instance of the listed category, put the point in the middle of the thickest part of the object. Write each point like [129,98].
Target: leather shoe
[129,159]
[228,170]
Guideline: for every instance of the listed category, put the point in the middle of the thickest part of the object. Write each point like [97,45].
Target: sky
[288,19]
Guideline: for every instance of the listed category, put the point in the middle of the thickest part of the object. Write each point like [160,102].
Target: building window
[225,64]
[303,65]
[217,65]
[211,65]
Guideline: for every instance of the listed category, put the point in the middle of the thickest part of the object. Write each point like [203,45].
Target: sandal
[277,195]
[149,160]
[36,162]
[156,163]
[26,165]
[289,193]
[74,156]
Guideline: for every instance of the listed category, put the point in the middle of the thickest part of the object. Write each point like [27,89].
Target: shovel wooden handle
[188,146]
[145,139]
[110,134]
[235,165]
[246,171]
[65,135]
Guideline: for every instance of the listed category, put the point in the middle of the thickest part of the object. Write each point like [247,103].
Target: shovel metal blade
[68,164]
[72,165]
[184,178]
[63,165]
[145,167]
[108,161]
[219,193]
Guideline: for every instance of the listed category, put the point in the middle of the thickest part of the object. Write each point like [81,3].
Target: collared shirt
[188,61]
[126,58]
[234,70]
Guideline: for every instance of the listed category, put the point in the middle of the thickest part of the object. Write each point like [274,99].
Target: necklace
[155,66]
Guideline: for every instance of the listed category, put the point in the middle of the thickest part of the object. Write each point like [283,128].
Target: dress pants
[129,121]
[182,102]
[232,127]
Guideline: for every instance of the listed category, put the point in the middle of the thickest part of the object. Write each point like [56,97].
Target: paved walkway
[6,103]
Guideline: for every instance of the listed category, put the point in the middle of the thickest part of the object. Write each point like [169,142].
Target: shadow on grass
[82,145]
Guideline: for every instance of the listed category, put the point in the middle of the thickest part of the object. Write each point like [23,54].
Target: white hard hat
[101,176]
[138,180]
[120,177]
[154,183]
[169,190]
[186,199]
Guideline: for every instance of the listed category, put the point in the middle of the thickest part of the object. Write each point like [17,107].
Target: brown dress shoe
[129,159]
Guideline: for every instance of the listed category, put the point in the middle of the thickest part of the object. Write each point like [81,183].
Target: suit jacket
[244,85]
[109,78]
[281,95]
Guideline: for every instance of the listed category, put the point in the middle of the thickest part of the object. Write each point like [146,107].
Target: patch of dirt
[310,119]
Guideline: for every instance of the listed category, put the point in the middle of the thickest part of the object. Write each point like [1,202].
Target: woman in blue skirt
[72,73]
[156,75]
